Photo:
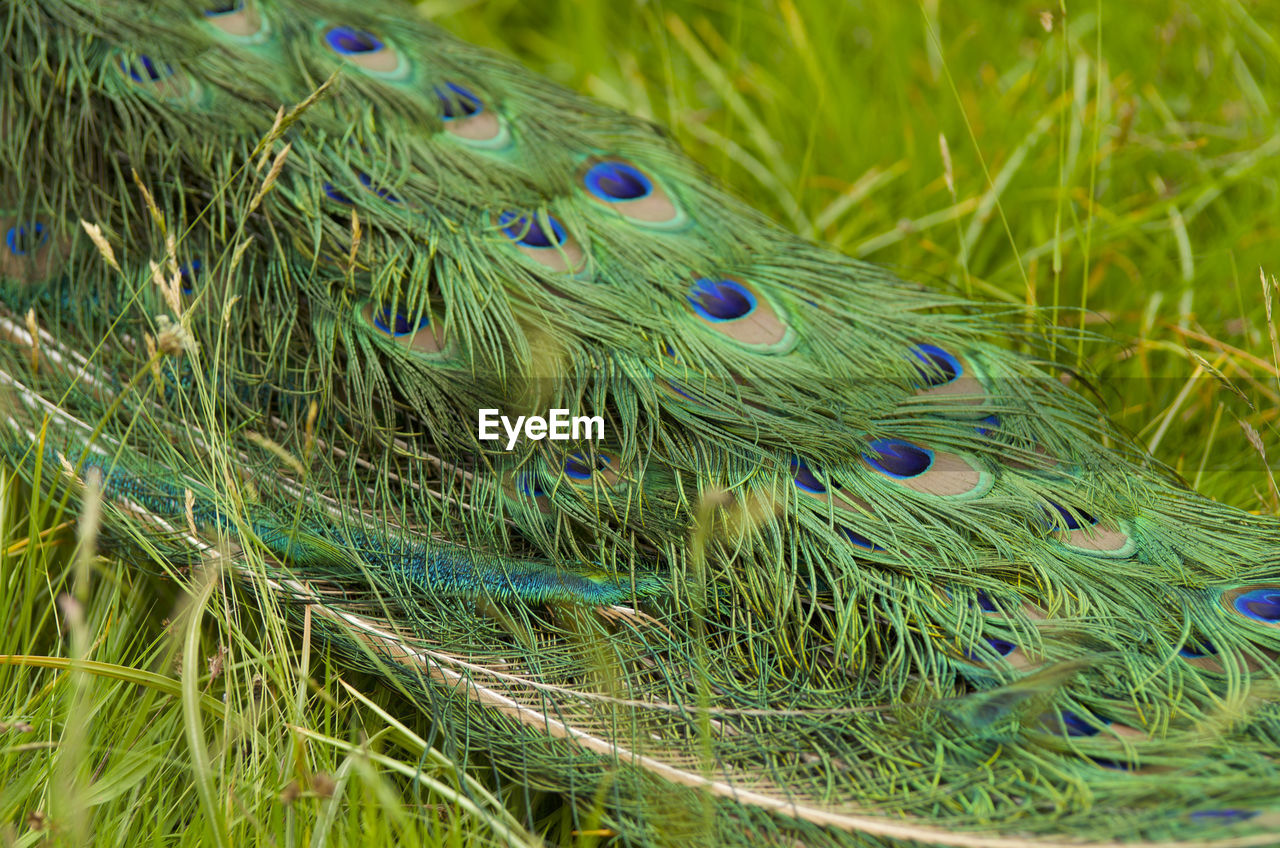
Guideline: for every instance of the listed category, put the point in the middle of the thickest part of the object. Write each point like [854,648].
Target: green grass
[1121,172]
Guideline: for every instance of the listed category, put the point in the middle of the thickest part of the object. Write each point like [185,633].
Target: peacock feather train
[844,569]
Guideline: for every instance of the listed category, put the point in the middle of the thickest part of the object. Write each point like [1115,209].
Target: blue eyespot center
[1077,726]
[615,181]
[1116,765]
[578,467]
[1200,647]
[146,69]
[987,425]
[984,601]
[935,366]
[1260,604]
[1003,647]
[226,8]
[337,196]
[1226,816]
[526,230]
[898,459]
[397,323]
[457,101]
[857,538]
[347,41]
[528,485]
[804,477]
[367,182]
[22,239]
[675,387]
[189,273]
[721,300]
[1073,519]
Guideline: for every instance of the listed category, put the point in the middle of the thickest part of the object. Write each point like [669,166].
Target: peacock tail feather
[844,568]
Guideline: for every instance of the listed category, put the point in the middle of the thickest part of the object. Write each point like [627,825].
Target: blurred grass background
[1115,165]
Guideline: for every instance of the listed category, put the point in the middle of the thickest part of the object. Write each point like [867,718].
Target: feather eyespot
[898,459]
[145,69]
[397,324]
[984,601]
[1087,533]
[1007,651]
[936,474]
[367,182]
[944,375]
[365,50]
[805,479]
[233,18]
[576,467]
[936,366]
[527,230]
[1003,647]
[348,41]
[457,102]
[526,485]
[581,468]
[617,181]
[1073,519]
[628,191]
[1077,726]
[189,273]
[337,196]
[737,310]
[987,425]
[1229,815]
[1114,765]
[721,300]
[30,251]
[1258,603]
[467,119]
[1203,648]
[808,481]
[1201,653]
[542,238]
[415,332]
[675,387]
[156,77]
[529,486]
[24,239]
[857,539]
